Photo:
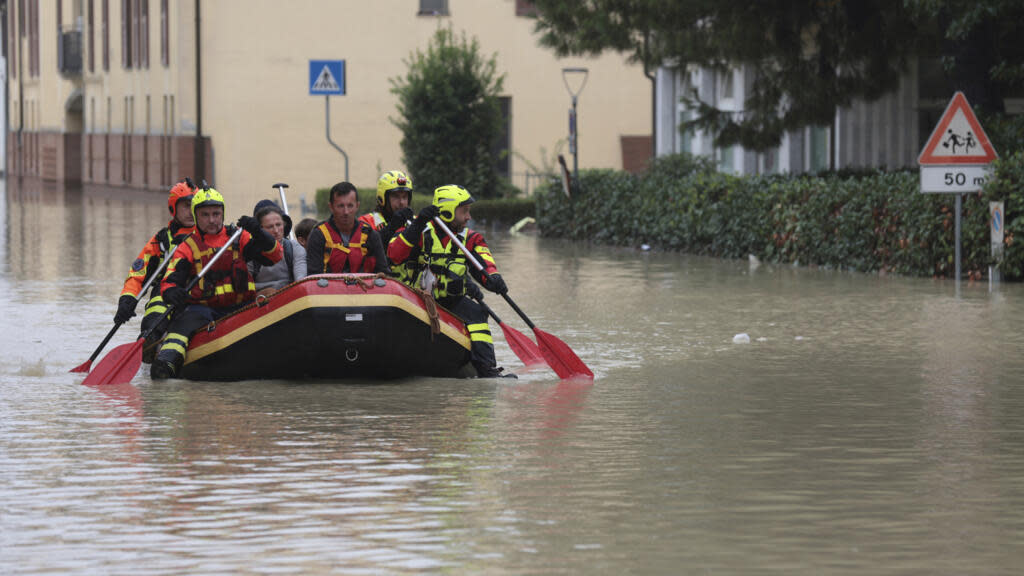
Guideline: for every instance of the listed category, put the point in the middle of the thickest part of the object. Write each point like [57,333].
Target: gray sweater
[277,276]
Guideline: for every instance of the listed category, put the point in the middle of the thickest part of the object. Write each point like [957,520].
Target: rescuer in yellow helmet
[225,287]
[451,273]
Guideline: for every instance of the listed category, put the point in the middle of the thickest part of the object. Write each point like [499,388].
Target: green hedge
[865,221]
[489,211]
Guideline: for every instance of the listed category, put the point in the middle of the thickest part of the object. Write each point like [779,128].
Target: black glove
[125,308]
[427,214]
[496,284]
[398,219]
[175,296]
[473,291]
[249,224]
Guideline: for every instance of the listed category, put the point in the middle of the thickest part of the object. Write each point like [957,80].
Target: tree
[808,57]
[979,43]
[450,115]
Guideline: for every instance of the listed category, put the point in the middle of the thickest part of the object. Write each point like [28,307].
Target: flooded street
[872,425]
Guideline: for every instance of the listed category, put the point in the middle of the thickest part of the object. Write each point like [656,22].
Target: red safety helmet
[181,191]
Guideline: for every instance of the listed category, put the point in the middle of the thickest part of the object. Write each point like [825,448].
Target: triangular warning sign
[957,138]
[325,82]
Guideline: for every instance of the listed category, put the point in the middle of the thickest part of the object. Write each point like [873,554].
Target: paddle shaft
[121,364]
[167,258]
[194,281]
[284,205]
[558,355]
[472,259]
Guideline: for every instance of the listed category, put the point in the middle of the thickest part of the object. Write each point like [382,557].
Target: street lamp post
[579,76]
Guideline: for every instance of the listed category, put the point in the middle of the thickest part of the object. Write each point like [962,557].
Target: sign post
[956,158]
[995,220]
[327,77]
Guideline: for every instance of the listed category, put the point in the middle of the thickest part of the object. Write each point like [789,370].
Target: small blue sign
[326,77]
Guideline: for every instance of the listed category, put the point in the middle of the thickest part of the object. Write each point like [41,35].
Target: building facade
[140,93]
[888,132]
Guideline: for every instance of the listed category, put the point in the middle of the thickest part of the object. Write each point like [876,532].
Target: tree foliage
[449,114]
[807,57]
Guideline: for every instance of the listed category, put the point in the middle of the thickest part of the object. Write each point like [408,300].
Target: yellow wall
[264,125]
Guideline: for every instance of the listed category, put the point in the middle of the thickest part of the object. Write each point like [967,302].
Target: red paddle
[558,355]
[524,348]
[84,367]
[121,364]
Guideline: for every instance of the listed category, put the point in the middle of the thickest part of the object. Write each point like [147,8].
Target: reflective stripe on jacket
[151,257]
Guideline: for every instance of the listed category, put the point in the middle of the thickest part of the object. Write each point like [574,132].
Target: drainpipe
[652,76]
[200,149]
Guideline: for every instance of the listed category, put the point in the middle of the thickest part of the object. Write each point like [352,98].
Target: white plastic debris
[741,338]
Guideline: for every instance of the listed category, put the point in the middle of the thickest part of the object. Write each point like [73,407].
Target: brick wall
[636,152]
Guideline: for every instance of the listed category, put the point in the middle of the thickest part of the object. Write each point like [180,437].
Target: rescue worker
[179,204]
[394,193]
[450,272]
[227,286]
[343,244]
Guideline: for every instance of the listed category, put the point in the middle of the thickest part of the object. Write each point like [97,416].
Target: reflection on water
[872,425]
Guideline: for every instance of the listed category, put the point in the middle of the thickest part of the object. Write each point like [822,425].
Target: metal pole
[327,116]
[575,143]
[958,203]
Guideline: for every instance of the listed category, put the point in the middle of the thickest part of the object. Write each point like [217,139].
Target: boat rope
[430,305]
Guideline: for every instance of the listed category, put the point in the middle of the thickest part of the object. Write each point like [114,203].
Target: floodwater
[872,425]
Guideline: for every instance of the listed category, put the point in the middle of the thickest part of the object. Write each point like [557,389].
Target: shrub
[865,220]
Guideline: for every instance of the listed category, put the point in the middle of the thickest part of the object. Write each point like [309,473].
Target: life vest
[409,270]
[374,220]
[338,257]
[448,264]
[228,282]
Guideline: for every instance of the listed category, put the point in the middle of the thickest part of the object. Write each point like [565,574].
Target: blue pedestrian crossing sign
[327,77]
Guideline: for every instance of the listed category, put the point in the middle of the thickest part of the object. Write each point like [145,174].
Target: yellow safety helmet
[389,182]
[206,197]
[449,197]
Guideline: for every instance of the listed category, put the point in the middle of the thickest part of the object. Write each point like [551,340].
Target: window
[12,53]
[165,35]
[525,8]
[433,8]
[91,39]
[501,150]
[105,34]
[60,35]
[126,33]
[727,85]
[144,33]
[33,37]
[818,148]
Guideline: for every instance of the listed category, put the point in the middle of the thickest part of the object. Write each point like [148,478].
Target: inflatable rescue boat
[335,326]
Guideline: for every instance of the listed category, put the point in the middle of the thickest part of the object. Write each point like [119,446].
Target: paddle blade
[561,358]
[117,367]
[83,367]
[523,347]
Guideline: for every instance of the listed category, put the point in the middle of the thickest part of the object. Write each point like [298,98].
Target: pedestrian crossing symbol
[326,77]
[958,138]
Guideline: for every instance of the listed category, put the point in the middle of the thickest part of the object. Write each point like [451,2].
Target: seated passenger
[290,268]
[342,244]
[302,230]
